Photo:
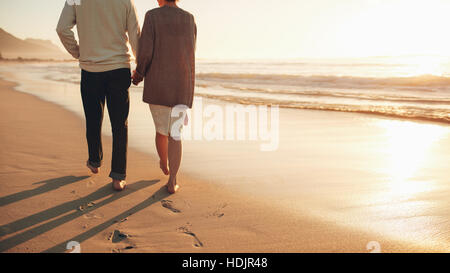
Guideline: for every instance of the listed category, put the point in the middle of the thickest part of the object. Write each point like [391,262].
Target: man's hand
[136,78]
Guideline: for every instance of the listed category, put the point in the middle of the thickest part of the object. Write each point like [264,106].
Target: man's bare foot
[172,187]
[94,170]
[164,167]
[119,185]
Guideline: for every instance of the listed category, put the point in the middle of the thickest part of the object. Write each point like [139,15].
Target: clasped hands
[136,78]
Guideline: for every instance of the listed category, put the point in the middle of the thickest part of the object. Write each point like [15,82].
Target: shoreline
[42,216]
[438,120]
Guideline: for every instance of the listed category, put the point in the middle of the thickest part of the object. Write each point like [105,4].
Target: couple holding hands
[165,59]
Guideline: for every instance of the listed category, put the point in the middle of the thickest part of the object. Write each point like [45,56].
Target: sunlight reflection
[424,65]
[408,145]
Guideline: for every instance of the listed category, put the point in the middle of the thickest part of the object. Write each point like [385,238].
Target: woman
[166,59]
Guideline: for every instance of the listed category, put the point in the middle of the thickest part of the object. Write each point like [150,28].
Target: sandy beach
[310,127]
[48,198]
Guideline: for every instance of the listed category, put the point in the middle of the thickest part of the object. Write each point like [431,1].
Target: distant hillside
[13,47]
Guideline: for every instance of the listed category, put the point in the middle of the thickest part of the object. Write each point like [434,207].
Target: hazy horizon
[296,29]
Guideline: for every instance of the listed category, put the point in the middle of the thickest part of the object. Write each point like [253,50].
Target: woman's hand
[136,78]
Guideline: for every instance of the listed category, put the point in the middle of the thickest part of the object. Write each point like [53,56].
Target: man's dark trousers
[112,87]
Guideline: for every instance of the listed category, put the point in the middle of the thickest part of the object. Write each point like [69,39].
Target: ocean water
[414,87]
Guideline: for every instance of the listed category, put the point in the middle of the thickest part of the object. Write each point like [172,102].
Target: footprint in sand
[121,220]
[120,250]
[118,236]
[91,215]
[187,231]
[86,206]
[218,212]
[169,205]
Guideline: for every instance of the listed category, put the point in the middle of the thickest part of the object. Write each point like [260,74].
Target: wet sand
[48,198]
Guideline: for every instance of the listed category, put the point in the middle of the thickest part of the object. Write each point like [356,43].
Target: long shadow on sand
[156,197]
[73,206]
[54,212]
[48,185]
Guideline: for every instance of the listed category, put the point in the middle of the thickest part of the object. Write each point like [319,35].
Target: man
[104,58]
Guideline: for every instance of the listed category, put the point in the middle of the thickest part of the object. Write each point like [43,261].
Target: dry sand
[48,198]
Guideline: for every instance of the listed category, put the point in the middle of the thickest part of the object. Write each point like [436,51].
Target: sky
[275,29]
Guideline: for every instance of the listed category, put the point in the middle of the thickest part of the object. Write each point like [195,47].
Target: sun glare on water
[424,65]
[408,146]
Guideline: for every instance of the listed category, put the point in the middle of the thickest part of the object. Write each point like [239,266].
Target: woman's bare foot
[164,167]
[119,185]
[172,187]
[94,170]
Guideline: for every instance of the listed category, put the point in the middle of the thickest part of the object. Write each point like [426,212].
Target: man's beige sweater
[102,27]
